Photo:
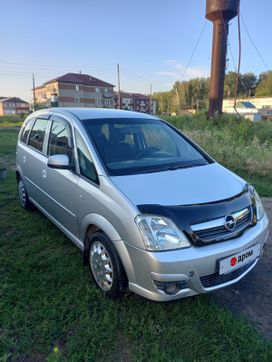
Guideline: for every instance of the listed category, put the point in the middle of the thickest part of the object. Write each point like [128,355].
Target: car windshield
[134,146]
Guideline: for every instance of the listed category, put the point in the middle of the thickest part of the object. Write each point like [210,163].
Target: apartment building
[75,90]
[135,102]
[13,105]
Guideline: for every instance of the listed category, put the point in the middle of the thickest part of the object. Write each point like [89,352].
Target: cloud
[179,72]
[167,74]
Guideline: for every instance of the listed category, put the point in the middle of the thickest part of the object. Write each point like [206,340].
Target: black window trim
[31,121]
[94,183]
[42,152]
[55,118]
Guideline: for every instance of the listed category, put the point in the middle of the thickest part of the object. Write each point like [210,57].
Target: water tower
[220,12]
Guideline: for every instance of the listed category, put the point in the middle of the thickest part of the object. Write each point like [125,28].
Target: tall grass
[12,120]
[252,156]
[240,145]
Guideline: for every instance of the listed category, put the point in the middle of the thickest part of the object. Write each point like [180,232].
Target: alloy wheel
[101,265]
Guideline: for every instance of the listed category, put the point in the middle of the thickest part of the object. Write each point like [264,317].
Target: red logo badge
[233,261]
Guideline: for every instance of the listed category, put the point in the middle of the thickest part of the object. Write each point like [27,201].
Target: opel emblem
[230,223]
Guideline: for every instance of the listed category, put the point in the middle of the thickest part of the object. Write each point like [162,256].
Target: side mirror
[59,162]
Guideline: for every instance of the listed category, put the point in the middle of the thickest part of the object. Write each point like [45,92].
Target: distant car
[150,210]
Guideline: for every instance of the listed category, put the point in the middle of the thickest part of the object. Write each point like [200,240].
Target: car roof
[95,113]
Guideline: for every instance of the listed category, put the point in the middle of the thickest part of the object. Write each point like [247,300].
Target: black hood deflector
[185,216]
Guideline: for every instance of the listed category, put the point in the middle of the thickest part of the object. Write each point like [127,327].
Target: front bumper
[189,266]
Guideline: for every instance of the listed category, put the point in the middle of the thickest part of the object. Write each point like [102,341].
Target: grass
[12,120]
[242,146]
[49,309]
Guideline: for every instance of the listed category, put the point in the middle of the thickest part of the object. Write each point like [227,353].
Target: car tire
[106,267]
[23,196]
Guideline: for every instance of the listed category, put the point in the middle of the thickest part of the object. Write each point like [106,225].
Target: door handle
[24,159]
[44,173]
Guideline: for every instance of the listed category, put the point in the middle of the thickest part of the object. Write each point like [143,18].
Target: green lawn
[240,145]
[12,120]
[50,310]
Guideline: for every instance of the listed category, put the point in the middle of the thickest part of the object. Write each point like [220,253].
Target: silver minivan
[151,211]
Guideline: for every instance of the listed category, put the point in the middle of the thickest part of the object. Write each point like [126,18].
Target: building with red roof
[13,105]
[135,102]
[75,90]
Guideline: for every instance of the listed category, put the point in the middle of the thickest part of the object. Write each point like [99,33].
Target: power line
[135,75]
[254,45]
[194,50]
[189,62]
[237,70]
[31,65]
[118,82]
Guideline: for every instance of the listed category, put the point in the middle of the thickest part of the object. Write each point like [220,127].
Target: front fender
[102,223]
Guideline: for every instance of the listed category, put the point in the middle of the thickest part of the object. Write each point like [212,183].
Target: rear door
[33,159]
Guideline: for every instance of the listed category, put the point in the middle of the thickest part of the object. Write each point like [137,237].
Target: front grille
[217,279]
[220,232]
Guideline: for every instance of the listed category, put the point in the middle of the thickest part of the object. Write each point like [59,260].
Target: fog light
[171,288]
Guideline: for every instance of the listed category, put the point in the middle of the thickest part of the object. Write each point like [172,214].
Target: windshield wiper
[173,168]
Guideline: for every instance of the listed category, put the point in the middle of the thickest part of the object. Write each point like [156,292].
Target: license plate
[238,260]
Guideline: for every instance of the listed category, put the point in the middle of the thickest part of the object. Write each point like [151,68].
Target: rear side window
[37,134]
[26,130]
[60,139]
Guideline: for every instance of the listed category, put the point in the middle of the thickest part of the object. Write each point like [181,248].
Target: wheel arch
[19,173]
[92,223]
[95,222]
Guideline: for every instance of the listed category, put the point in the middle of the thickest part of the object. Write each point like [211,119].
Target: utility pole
[220,12]
[150,99]
[33,90]
[177,97]
[119,92]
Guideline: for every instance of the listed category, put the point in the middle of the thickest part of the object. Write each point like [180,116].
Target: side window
[86,165]
[37,134]
[26,130]
[60,139]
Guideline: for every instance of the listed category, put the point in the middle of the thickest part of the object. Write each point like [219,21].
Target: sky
[152,40]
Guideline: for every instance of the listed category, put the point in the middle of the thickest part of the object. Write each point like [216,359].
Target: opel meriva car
[150,210]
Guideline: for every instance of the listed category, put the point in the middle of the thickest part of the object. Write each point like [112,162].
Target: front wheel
[106,267]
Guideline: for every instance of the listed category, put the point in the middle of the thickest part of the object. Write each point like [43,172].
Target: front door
[60,185]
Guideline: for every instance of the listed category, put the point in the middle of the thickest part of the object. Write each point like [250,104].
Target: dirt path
[252,296]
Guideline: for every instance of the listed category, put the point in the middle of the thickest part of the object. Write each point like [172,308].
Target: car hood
[197,185]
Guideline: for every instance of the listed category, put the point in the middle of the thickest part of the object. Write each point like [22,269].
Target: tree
[249,84]
[194,93]
[164,100]
[264,87]
[246,85]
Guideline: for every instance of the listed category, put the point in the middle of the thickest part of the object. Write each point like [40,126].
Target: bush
[240,145]
[12,120]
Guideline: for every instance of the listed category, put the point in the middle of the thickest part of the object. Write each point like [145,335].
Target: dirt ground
[252,296]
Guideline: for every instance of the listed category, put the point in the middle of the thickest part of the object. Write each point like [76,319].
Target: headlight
[259,207]
[260,212]
[160,233]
